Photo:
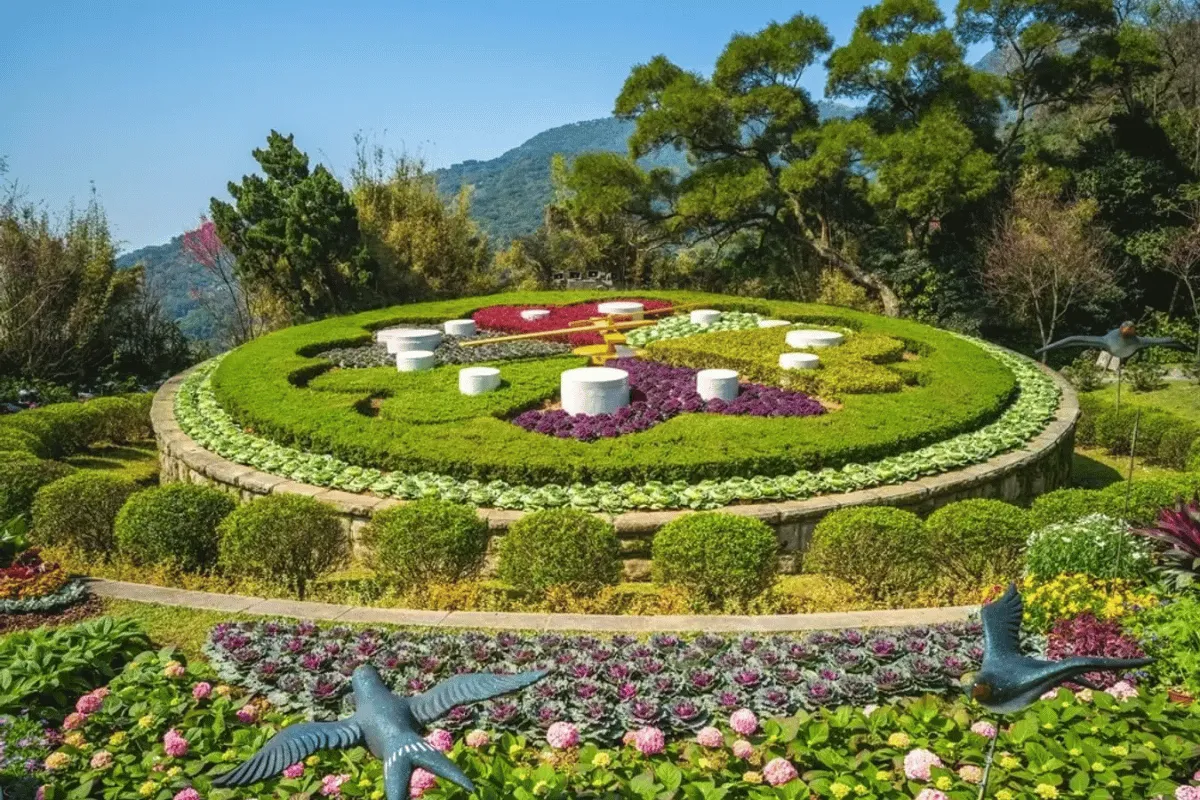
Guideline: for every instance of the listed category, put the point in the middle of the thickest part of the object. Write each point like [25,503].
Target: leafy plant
[1085,635]
[717,557]
[1084,373]
[561,547]
[80,510]
[1095,545]
[175,524]
[1145,376]
[13,539]
[1170,633]
[881,549]
[21,475]
[426,541]
[979,540]
[1178,530]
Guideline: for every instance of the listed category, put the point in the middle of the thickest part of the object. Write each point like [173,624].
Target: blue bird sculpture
[1010,681]
[1122,342]
[387,725]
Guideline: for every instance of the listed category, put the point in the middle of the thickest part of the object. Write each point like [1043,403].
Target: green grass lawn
[1095,468]
[138,462]
[1178,397]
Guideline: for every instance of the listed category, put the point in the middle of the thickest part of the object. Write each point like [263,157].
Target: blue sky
[158,104]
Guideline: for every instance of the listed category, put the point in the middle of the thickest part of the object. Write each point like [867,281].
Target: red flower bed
[508,319]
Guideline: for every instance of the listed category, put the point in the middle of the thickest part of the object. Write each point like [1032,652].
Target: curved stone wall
[1017,476]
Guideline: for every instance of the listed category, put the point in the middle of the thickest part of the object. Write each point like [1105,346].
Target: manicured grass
[137,461]
[1178,397]
[173,626]
[1094,468]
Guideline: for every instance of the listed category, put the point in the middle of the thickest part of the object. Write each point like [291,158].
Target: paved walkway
[598,623]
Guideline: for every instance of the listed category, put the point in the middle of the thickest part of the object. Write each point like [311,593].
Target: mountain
[174,276]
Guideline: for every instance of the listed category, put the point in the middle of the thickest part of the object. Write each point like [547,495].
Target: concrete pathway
[595,623]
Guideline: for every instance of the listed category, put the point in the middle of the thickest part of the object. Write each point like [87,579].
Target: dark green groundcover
[277,387]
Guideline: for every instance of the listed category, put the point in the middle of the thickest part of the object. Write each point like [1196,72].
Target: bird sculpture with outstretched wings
[1122,342]
[387,725]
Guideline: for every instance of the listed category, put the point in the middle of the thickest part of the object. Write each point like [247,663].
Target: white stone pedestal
[459,327]
[477,380]
[630,308]
[798,361]
[713,384]
[534,314]
[773,323]
[401,340]
[806,339]
[414,360]
[594,390]
[704,316]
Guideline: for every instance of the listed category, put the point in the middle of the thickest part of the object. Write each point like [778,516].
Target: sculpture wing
[292,744]
[1002,626]
[1076,341]
[463,689]
[1163,341]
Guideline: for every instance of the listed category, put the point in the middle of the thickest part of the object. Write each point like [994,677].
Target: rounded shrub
[74,426]
[176,524]
[283,537]
[560,547]
[1147,496]
[426,540]
[1065,505]
[79,510]
[1114,429]
[884,550]
[16,440]
[718,557]
[979,540]
[1176,443]
[21,475]
[1095,545]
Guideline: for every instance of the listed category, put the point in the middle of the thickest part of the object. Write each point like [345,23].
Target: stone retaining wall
[1042,465]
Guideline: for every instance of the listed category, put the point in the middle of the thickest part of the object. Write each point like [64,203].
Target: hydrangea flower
[562,735]
[89,703]
[932,794]
[984,728]
[971,773]
[743,721]
[294,771]
[174,743]
[202,690]
[331,785]
[1123,690]
[918,764]
[1189,792]
[779,771]
[187,794]
[248,713]
[742,749]
[478,738]
[649,741]
[709,737]
[101,759]
[421,782]
[74,721]
[441,739]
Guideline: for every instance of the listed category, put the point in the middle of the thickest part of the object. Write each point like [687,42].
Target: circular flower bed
[507,318]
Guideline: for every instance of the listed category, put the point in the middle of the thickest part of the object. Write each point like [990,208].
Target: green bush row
[1163,437]
[1138,503]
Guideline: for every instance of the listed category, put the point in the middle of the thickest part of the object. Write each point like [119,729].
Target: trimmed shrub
[283,537]
[1147,496]
[176,523]
[1193,460]
[16,440]
[78,511]
[560,547]
[65,428]
[1176,443]
[21,475]
[884,550]
[1095,545]
[1114,429]
[979,540]
[718,557]
[427,540]
[1065,505]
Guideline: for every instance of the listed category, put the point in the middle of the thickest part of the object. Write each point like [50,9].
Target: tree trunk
[891,303]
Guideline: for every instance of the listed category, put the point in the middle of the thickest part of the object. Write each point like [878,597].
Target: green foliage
[560,547]
[1095,545]
[979,541]
[21,475]
[174,524]
[718,557]
[1170,633]
[79,511]
[62,429]
[1066,505]
[1146,497]
[14,540]
[294,233]
[1084,373]
[46,670]
[283,537]
[426,541]
[881,549]
[1146,376]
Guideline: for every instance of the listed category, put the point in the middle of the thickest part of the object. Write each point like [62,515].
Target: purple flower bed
[603,686]
[657,393]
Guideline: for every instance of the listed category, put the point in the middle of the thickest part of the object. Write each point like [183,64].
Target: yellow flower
[704,763]
[899,739]
[752,777]
[883,776]
[1075,752]
[223,690]
[376,795]
[117,739]
[174,772]
[839,790]
[943,782]
[541,787]
[1046,791]
[148,788]
[75,739]
[1119,750]
[1148,745]
[514,750]
[1010,762]
[1097,766]
[312,761]
[364,782]
[860,790]
[57,760]
[601,760]
[147,721]
[1004,794]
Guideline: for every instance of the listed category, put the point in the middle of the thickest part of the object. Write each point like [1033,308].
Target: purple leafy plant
[1178,530]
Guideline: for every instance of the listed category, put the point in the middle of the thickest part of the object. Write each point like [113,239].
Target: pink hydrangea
[918,764]
[202,690]
[74,721]
[743,721]
[1196,777]
[779,771]
[441,739]
[932,794]
[174,670]
[101,759]
[742,749]
[562,736]
[478,738]
[331,785]
[870,709]
[294,771]
[649,741]
[175,745]
[1123,690]
[985,729]
[971,773]
[709,737]
[187,794]
[102,692]
[248,713]
[40,794]
[421,782]
[89,704]
[1187,793]
[1049,695]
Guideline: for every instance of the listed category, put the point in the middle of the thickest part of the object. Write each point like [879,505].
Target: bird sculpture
[1122,342]
[1010,681]
[387,725]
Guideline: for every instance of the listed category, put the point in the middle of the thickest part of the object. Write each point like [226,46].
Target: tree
[1181,259]
[294,233]
[1046,258]
[231,309]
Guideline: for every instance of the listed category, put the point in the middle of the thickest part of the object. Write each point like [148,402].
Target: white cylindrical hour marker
[798,361]
[534,314]
[704,316]
[717,384]
[415,360]
[459,327]
[814,338]
[626,307]
[773,323]
[477,380]
[594,390]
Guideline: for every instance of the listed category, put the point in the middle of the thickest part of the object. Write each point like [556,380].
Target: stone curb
[587,623]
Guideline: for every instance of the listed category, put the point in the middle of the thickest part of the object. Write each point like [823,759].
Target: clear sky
[158,104]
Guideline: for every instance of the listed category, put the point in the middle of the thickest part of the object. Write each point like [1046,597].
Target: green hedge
[276,385]
[560,547]
[979,540]
[21,475]
[426,540]
[1146,497]
[176,524]
[1163,437]
[62,429]
[883,550]
[80,510]
[717,557]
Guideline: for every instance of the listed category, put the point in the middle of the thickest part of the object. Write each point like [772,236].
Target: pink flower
[1122,690]
[41,793]
[1187,793]
[742,749]
[102,692]
[202,690]
[74,721]
[649,741]
[870,709]
[562,736]
[629,738]
[971,774]
[1196,777]
[248,714]
[743,721]
[331,785]
[779,771]
[174,669]
[294,771]
[421,782]
[441,739]
[710,737]
[932,794]
[89,704]
[175,745]
[101,759]
[478,738]
[1049,695]
[985,729]
[918,763]
[187,794]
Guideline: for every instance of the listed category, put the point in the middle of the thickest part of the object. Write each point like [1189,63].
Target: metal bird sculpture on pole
[387,725]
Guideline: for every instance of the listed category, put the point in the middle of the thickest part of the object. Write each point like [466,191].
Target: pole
[1129,483]
[1120,366]
[987,764]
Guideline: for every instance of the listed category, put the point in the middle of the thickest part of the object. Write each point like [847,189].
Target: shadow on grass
[139,463]
[1088,473]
